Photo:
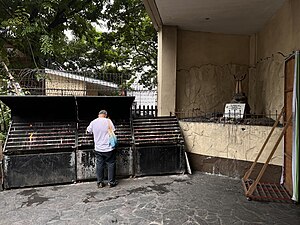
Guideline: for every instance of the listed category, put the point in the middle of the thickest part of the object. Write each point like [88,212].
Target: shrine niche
[238,108]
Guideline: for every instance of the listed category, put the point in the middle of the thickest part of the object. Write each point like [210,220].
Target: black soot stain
[34,198]
[90,195]
[142,190]
[27,192]
[160,188]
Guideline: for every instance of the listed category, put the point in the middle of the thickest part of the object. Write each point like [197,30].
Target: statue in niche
[239,96]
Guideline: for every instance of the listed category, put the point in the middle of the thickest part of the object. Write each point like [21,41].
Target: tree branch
[15,85]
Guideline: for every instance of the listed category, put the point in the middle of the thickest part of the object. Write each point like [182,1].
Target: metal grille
[25,136]
[159,146]
[123,133]
[158,130]
[47,143]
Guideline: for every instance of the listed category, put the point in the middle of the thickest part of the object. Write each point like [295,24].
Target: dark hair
[103,112]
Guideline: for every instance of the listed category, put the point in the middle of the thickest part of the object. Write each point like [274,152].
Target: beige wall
[167,59]
[97,90]
[57,85]
[279,38]
[205,68]
[206,63]
[231,141]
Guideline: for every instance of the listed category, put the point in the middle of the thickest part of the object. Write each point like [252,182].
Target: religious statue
[239,96]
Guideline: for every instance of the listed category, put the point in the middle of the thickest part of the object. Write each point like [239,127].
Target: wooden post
[248,173]
[253,186]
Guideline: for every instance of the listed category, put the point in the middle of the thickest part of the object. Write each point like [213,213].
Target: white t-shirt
[99,128]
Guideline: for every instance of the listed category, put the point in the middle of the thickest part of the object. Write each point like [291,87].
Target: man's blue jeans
[108,158]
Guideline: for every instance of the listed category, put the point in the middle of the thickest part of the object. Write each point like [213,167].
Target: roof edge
[153,13]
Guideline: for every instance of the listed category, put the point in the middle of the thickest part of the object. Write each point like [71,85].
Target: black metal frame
[33,115]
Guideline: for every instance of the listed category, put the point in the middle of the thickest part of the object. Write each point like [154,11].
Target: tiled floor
[176,199]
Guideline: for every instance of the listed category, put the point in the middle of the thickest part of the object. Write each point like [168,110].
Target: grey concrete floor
[176,199]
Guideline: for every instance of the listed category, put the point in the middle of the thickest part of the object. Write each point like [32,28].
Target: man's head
[102,113]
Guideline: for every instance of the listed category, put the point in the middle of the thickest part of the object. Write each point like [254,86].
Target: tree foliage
[136,37]
[38,30]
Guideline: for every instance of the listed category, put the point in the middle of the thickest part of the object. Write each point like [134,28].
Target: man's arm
[112,125]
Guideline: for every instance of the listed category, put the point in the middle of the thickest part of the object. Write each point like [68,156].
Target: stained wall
[230,141]
[206,65]
[277,40]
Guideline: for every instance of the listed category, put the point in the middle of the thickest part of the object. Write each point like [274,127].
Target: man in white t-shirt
[105,154]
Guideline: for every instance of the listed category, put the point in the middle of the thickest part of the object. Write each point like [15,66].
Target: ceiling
[218,16]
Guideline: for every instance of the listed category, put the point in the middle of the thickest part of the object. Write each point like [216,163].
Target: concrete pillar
[167,63]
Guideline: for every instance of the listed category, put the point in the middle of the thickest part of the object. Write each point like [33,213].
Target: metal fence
[232,117]
[65,83]
[56,82]
[139,111]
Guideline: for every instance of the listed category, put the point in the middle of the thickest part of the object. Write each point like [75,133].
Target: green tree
[136,38]
[36,29]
